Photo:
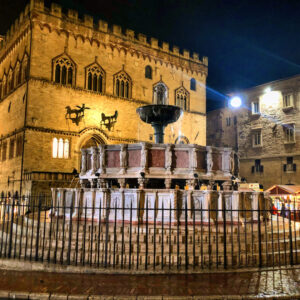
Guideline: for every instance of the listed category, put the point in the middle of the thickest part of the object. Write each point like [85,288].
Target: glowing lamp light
[235,102]
[268,90]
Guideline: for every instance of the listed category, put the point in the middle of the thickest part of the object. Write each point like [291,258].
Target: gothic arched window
[148,72]
[10,86]
[95,77]
[19,146]
[60,148]
[25,68]
[182,98]
[193,84]
[122,85]
[63,70]
[160,93]
[18,74]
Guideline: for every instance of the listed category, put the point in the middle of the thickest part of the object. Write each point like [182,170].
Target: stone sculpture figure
[123,158]
[168,155]
[194,158]
[94,160]
[144,155]
[101,159]
[209,160]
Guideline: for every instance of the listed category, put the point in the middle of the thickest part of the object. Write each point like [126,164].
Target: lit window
[60,148]
[54,148]
[64,70]
[288,100]
[289,133]
[255,107]
[193,84]
[66,149]
[160,93]
[148,72]
[256,138]
[122,85]
[182,97]
[95,78]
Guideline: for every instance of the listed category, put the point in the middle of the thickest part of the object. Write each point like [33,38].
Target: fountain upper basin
[159,114]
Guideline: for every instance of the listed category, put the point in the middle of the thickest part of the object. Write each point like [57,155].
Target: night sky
[247,42]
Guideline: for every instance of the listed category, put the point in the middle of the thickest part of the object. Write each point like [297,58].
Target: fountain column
[83,161]
[101,154]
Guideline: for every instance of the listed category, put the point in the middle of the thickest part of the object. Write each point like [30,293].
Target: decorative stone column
[191,184]
[78,204]
[107,204]
[101,155]
[123,158]
[220,207]
[94,160]
[83,161]
[205,206]
[254,205]
[209,160]
[168,159]
[235,206]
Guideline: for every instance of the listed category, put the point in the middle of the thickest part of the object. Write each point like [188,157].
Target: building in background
[221,130]
[267,132]
[68,84]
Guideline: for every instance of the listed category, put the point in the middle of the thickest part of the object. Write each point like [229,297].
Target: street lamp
[235,102]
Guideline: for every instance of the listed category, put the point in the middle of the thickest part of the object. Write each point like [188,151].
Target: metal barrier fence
[97,237]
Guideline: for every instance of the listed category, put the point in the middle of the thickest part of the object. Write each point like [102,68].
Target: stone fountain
[141,175]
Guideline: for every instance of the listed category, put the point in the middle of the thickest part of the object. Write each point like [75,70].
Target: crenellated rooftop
[89,26]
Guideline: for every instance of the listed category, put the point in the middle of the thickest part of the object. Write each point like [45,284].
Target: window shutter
[252,169]
[284,168]
[294,167]
[261,169]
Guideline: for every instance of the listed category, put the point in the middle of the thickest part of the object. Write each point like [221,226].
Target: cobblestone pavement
[274,284]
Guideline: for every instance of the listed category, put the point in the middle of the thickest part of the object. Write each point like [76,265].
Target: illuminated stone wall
[274,148]
[43,102]
[222,128]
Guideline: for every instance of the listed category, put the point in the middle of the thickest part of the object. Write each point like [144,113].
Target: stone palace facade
[68,84]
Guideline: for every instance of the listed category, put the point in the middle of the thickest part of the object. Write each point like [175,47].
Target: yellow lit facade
[52,64]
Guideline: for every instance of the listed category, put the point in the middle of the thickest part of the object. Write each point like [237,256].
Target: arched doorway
[88,139]
[92,142]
